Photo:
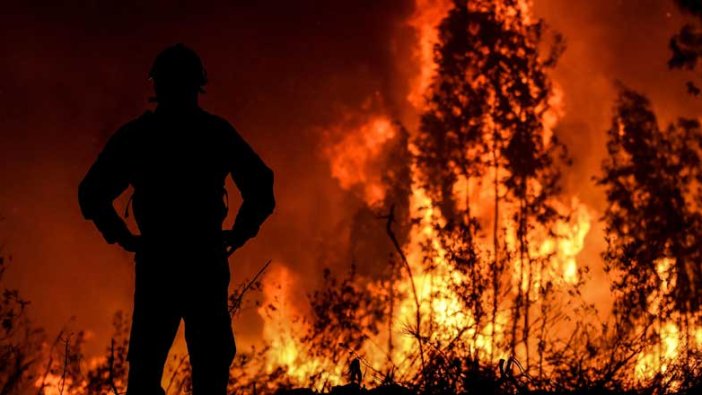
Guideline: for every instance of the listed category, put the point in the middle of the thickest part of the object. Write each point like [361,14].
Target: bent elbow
[270,207]
[90,199]
[270,195]
[86,200]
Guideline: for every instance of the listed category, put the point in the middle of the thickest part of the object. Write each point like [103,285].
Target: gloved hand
[238,236]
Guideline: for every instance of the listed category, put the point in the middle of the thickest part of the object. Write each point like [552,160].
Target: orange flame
[427,16]
[352,157]
[354,164]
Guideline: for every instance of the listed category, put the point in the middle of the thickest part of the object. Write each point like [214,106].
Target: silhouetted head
[178,76]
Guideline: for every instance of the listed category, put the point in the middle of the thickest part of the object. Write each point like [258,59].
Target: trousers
[192,287]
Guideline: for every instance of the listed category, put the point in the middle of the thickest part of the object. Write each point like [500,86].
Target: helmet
[178,68]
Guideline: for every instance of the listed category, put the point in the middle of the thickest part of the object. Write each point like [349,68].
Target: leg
[154,325]
[208,333]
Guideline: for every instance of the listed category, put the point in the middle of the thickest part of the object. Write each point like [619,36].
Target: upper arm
[250,174]
[107,178]
[243,161]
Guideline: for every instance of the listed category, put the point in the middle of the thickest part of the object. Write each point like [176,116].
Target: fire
[670,338]
[57,381]
[54,384]
[431,309]
[427,15]
[541,270]
[565,249]
[352,157]
[555,112]
[283,325]
[652,362]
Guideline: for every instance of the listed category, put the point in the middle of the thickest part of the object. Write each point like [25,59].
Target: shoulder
[218,124]
[143,120]
[130,130]
[127,136]
[225,133]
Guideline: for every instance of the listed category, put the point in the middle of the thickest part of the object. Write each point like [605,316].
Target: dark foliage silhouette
[686,45]
[653,226]
[20,341]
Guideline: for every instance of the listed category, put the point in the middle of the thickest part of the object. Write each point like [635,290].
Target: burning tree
[654,224]
[485,127]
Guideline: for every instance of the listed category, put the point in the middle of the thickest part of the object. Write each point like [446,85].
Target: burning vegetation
[482,291]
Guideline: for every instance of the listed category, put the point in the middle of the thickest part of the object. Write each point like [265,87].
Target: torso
[178,169]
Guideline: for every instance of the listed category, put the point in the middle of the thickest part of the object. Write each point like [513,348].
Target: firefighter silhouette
[176,158]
